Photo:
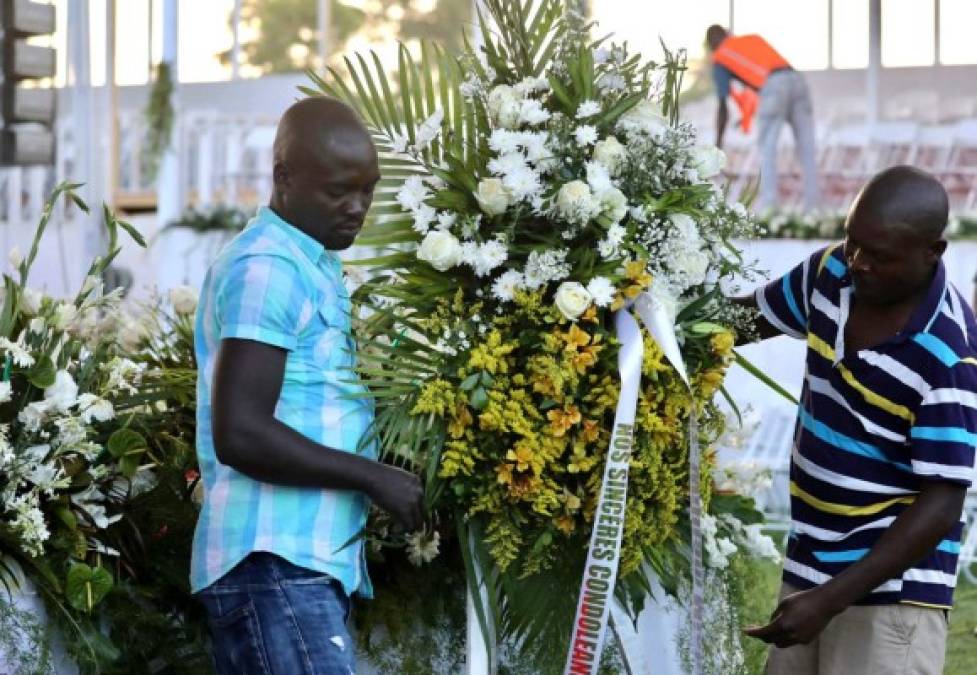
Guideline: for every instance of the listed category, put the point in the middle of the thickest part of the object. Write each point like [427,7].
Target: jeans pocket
[238,645]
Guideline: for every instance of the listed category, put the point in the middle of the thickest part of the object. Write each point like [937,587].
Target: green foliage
[159,121]
[287,30]
[221,218]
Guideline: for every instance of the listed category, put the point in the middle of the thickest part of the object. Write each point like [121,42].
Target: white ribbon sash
[603,556]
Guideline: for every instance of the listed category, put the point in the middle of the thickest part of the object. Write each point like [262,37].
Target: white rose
[30,301]
[575,201]
[505,106]
[63,393]
[644,118]
[614,204]
[64,315]
[441,249]
[572,299]
[708,160]
[493,196]
[611,154]
[183,299]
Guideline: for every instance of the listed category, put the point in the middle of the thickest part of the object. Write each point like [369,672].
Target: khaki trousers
[869,640]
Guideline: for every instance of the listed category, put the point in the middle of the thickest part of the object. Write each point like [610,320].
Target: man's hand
[400,494]
[798,619]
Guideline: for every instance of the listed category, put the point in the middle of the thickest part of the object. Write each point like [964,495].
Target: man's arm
[800,617]
[247,437]
[722,119]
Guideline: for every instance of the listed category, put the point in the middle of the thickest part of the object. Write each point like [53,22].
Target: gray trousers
[785,98]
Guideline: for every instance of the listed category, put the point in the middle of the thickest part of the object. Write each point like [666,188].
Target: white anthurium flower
[572,299]
[493,197]
[441,250]
[184,299]
[708,160]
[63,394]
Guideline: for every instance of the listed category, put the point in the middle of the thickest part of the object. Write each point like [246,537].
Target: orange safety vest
[751,59]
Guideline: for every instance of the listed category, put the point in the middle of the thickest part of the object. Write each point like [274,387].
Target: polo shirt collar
[309,246]
[926,312]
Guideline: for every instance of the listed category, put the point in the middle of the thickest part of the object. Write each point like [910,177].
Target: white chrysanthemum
[531,85]
[424,216]
[598,178]
[533,113]
[489,256]
[504,288]
[503,141]
[20,356]
[471,87]
[535,145]
[585,134]
[616,234]
[611,82]
[522,183]
[507,163]
[588,108]
[412,193]
[446,219]
[602,290]
[639,214]
[33,415]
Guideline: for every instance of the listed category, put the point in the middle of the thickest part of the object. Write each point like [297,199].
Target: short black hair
[906,198]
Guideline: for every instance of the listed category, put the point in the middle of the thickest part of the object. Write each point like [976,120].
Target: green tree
[286,30]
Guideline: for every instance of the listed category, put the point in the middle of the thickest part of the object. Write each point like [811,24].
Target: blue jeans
[270,617]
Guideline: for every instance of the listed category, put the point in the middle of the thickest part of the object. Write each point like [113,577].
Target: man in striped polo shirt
[282,424]
[884,446]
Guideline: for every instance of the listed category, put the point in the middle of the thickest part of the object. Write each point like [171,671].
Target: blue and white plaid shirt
[276,285]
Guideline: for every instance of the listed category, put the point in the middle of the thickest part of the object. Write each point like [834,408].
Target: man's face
[887,264]
[329,197]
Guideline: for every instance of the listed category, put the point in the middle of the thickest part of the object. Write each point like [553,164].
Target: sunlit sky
[797,28]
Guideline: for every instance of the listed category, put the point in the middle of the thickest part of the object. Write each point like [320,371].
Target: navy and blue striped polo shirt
[873,425]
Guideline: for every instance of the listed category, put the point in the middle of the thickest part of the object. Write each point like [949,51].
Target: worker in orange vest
[750,62]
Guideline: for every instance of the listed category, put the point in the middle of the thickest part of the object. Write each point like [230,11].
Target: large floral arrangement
[533,187]
[96,438]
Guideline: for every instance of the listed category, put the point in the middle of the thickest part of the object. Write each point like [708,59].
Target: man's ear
[280,174]
[937,249]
